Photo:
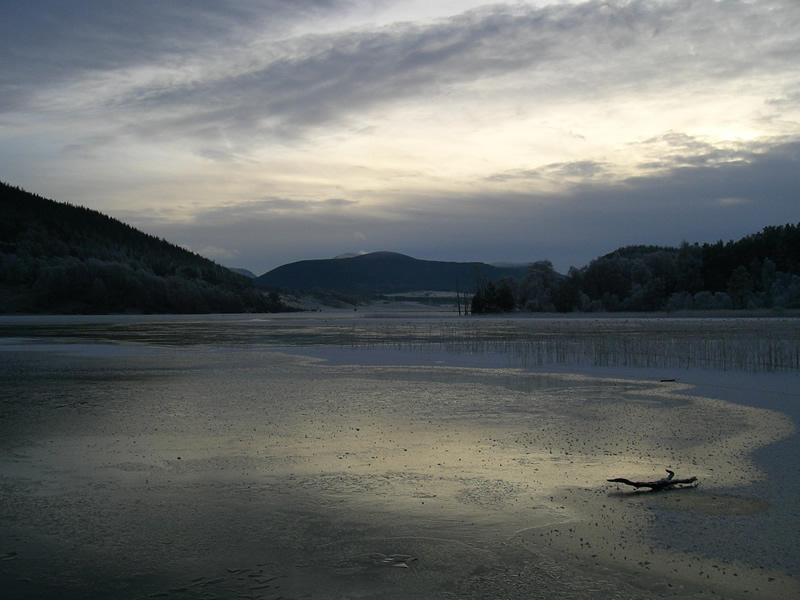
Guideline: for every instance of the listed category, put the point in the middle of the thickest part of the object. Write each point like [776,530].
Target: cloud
[769,175]
[589,220]
[49,43]
[576,170]
[87,147]
[161,62]
[320,79]
[287,205]
[674,149]
[514,131]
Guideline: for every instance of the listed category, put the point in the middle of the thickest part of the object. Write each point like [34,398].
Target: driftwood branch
[659,484]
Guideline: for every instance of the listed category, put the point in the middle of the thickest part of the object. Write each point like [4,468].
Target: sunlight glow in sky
[262,132]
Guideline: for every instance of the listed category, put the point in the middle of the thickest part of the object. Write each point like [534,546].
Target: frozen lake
[373,456]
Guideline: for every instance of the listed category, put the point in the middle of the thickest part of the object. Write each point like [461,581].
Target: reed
[724,344]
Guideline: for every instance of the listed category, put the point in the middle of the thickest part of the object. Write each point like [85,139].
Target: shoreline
[756,499]
[395,310]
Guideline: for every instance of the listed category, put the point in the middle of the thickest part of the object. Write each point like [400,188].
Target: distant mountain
[384,272]
[59,258]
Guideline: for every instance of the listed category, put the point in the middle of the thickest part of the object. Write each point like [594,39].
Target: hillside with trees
[759,271]
[59,258]
[381,273]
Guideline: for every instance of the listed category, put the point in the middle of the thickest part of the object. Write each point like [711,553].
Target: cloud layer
[274,131]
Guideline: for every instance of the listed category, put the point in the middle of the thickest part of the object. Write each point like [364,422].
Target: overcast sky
[262,132]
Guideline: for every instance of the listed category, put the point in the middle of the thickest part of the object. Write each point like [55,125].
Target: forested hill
[383,272]
[59,258]
[761,270]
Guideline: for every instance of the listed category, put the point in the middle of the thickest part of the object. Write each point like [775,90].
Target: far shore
[405,309]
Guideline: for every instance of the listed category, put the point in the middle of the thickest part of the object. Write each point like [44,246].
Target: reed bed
[745,344]
[754,345]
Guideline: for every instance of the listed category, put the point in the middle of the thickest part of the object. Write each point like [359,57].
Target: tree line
[761,270]
[60,258]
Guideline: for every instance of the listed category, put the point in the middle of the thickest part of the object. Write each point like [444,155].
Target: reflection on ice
[179,466]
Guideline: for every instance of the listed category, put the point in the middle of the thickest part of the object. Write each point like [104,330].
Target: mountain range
[59,258]
[383,273]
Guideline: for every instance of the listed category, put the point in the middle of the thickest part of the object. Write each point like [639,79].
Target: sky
[259,133]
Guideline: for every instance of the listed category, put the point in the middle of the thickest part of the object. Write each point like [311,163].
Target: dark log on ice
[659,484]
